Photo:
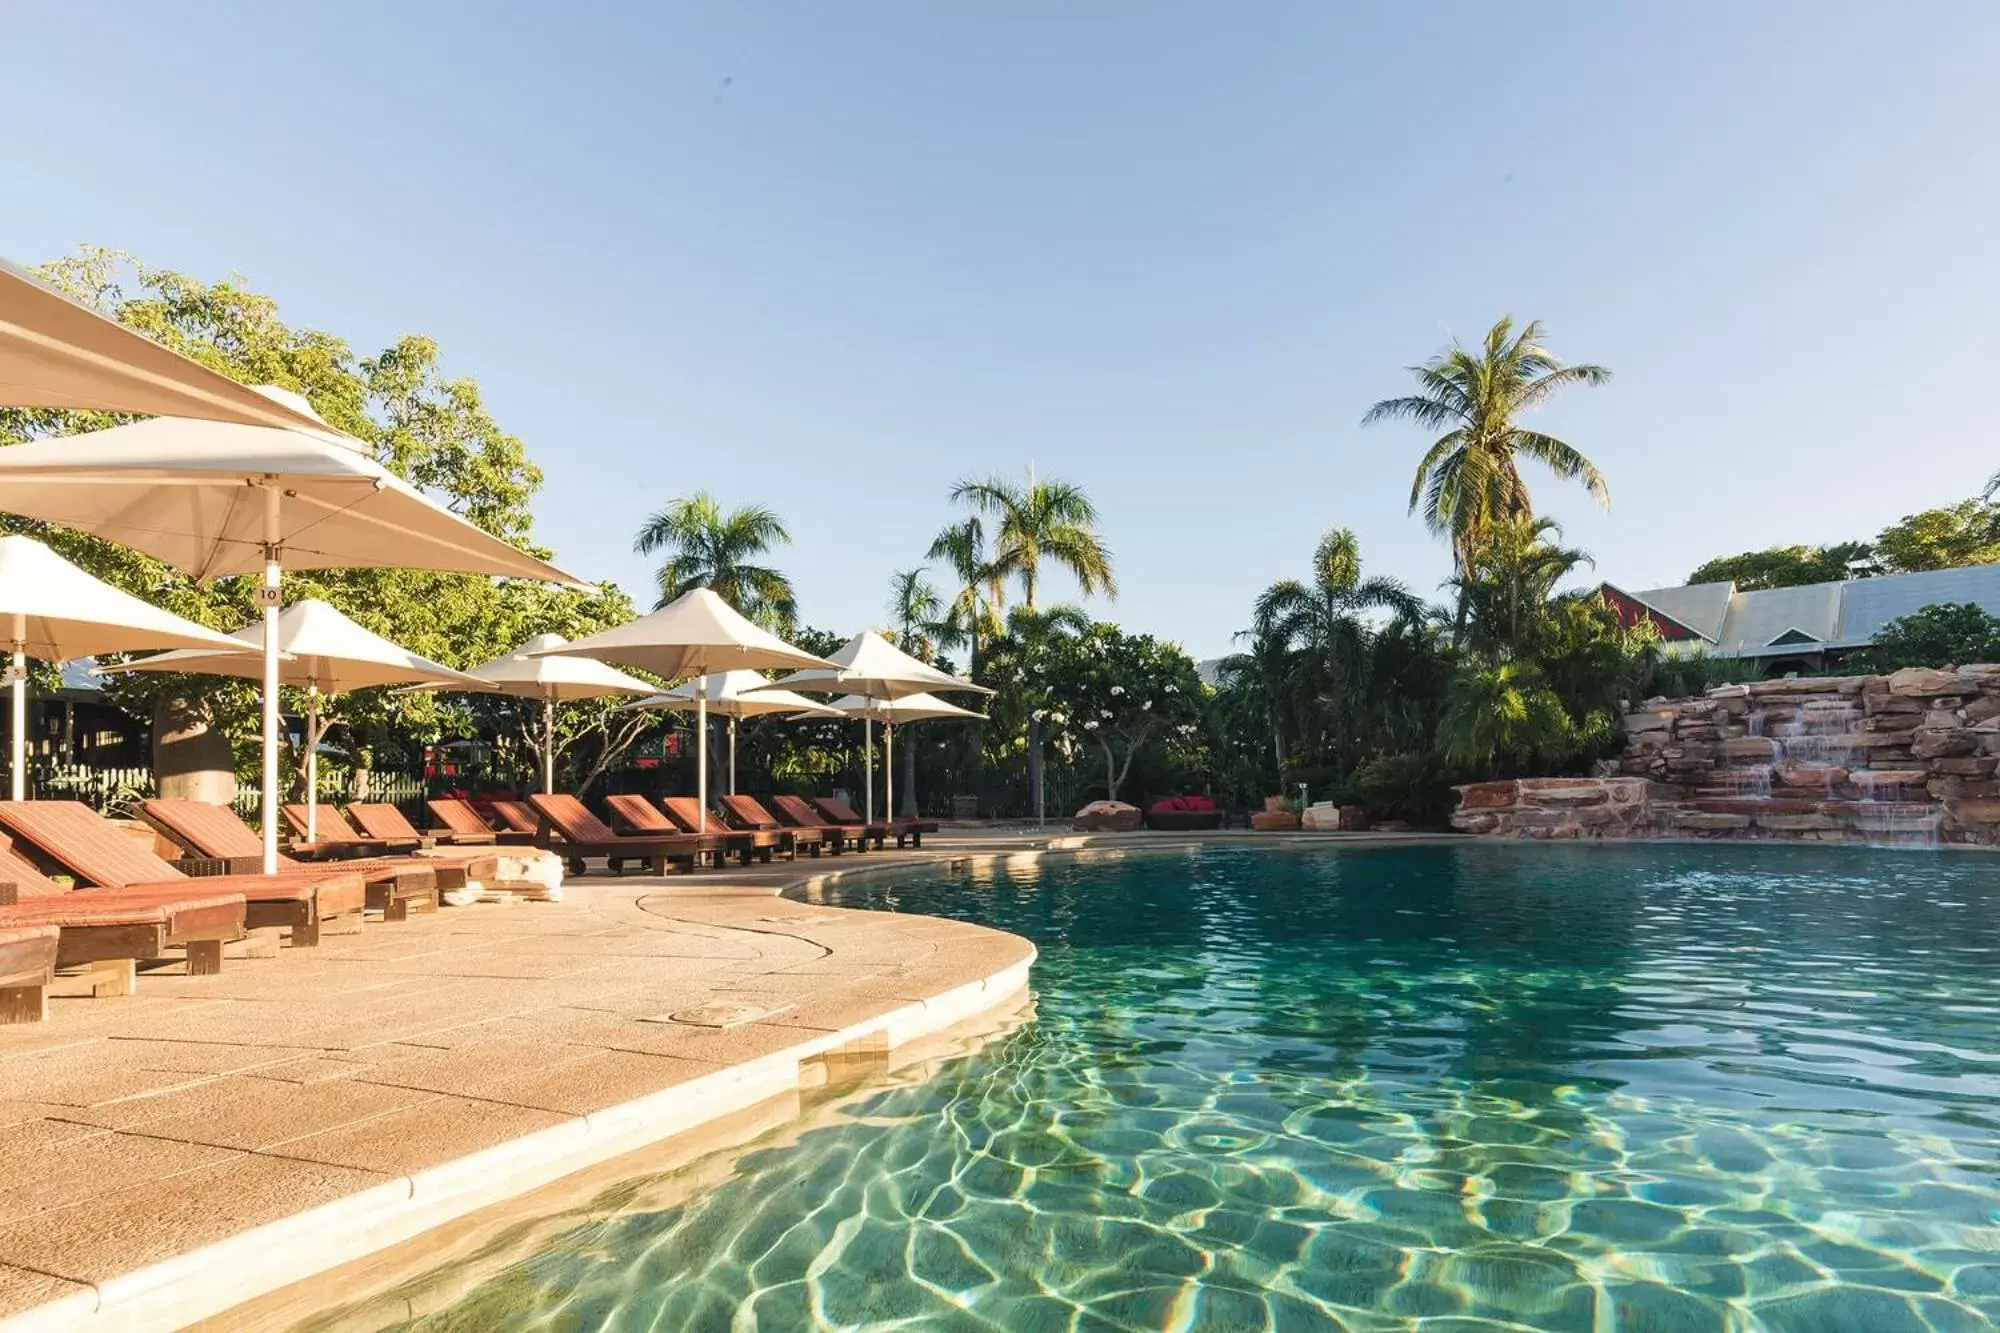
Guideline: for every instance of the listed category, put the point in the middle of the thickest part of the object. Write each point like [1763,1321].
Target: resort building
[1798,628]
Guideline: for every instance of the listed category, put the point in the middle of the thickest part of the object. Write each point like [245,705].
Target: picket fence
[112,790]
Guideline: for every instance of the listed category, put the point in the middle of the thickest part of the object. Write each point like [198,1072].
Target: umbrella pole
[889,771]
[312,761]
[701,753]
[732,756]
[868,763]
[17,686]
[269,595]
[548,747]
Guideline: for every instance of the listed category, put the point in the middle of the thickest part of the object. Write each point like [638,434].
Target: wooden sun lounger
[685,812]
[746,812]
[793,810]
[518,816]
[77,838]
[635,816]
[27,966]
[569,829]
[109,931]
[463,821]
[910,831]
[380,819]
[216,839]
[334,837]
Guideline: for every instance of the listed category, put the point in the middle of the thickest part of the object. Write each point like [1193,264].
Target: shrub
[1945,634]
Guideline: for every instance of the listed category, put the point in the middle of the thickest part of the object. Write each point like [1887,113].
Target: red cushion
[1198,803]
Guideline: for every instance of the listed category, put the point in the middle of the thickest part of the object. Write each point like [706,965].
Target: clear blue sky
[833,256]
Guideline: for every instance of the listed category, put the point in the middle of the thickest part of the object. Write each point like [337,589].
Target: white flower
[1117,690]
[1039,714]
[1148,705]
[1169,688]
[1058,718]
[1105,713]
[1090,726]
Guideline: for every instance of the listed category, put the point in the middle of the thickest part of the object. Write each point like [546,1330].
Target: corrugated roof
[1846,614]
[1869,604]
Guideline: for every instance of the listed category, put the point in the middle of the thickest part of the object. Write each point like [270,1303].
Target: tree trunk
[906,783]
[1110,772]
[1035,767]
[191,761]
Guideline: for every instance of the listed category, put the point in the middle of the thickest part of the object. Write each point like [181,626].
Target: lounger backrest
[76,837]
[26,877]
[379,820]
[331,827]
[747,810]
[640,813]
[798,812]
[838,810]
[685,811]
[205,829]
[458,816]
[518,816]
[571,819]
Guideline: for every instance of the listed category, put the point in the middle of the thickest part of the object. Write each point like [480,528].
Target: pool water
[1454,1088]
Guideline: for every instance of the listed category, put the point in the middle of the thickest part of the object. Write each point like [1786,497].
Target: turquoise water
[1450,1088]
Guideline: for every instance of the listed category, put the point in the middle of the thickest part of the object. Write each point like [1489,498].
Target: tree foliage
[1041,520]
[708,547]
[1946,634]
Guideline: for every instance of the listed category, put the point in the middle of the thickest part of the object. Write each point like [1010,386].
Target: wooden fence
[111,790]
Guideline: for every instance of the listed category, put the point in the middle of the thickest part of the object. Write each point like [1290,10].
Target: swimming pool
[1457,1087]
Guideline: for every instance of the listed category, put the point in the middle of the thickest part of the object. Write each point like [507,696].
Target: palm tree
[917,611]
[707,548]
[1512,578]
[1470,480]
[974,614]
[1320,625]
[1043,519]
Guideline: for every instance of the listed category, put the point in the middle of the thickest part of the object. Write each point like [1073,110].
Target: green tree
[1120,693]
[1790,566]
[1967,533]
[1469,480]
[707,548]
[916,611]
[1052,520]
[1511,579]
[1946,634]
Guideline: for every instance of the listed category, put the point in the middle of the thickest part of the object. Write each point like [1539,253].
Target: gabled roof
[1698,608]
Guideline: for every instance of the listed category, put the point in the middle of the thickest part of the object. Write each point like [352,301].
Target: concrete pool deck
[168,1156]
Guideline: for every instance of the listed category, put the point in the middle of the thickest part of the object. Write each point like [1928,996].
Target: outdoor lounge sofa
[567,828]
[111,930]
[463,821]
[794,811]
[746,812]
[89,846]
[905,831]
[1180,814]
[216,836]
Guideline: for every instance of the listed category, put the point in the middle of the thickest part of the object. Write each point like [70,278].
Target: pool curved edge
[215,1279]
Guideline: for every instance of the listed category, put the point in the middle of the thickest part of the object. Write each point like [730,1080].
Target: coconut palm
[1052,520]
[917,612]
[1470,480]
[973,617]
[1512,577]
[707,548]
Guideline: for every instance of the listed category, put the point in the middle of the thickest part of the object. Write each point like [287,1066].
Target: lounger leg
[396,909]
[114,977]
[305,937]
[24,1004]
[204,957]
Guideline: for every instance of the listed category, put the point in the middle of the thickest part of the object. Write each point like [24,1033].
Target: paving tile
[259,1112]
[22,1289]
[145,1223]
[435,1130]
[66,1174]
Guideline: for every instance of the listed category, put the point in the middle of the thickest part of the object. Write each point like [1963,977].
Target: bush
[1412,786]
[1947,634]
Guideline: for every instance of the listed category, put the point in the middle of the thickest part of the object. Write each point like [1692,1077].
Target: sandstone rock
[1353,819]
[1975,810]
[1923,682]
[1475,823]
[1702,820]
[1114,817]
[1982,708]
[1865,778]
[1321,816]
[1755,749]
[1486,795]
[1819,776]
[1967,765]
[1937,744]
[1890,703]
[1941,718]
[1799,823]
[1638,722]
[1274,821]
[1729,692]
[1565,797]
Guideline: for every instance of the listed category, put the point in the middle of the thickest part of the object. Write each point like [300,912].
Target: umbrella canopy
[55,352]
[322,650]
[319,648]
[217,499]
[52,610]
[870,665]
[909,708]
[692,635]
[553,680]
[735,695]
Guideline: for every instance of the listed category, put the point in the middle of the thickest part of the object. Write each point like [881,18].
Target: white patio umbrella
[216,499]
[320,649]
[889,712]
[728,693]
[57,613]
[874,668]
[553,680]
[55,352]
[693,635]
